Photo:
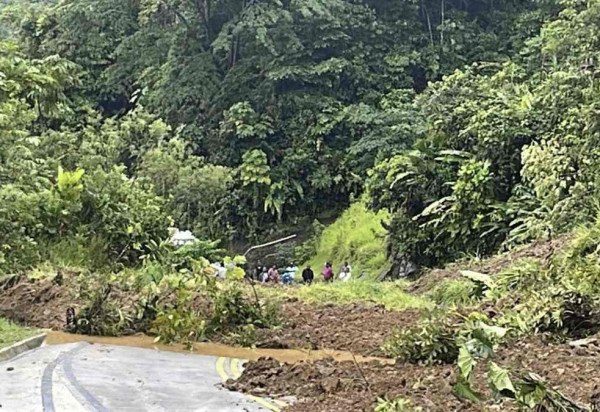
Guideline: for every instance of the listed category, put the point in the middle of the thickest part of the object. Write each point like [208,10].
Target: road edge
[23,346]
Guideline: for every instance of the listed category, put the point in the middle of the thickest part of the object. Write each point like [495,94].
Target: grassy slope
[357,237]
[11,333]
[390,294]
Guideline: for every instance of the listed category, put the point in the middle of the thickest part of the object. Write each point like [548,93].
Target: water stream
[211,349]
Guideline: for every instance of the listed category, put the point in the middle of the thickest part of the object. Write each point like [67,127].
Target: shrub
[431,341]
[102,315]
[185,256]
[181,326]
[232,309]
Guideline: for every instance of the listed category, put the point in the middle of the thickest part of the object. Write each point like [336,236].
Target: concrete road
[90,377]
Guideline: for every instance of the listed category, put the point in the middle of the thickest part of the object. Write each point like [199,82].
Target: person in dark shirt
[258,271]
[308,275]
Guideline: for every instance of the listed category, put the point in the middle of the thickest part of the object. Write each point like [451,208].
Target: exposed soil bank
[39,303]
[539,250]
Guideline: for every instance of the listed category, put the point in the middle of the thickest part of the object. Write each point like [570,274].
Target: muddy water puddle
[212,349]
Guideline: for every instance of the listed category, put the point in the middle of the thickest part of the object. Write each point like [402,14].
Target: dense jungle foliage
[472,122]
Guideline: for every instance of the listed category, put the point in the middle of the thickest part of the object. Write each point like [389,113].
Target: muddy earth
[357,328]
[41,303]
[327,385]
[538,250]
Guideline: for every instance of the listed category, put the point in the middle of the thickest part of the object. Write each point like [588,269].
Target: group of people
[288,276]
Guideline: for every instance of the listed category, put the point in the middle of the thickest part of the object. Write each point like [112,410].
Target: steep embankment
[357,237]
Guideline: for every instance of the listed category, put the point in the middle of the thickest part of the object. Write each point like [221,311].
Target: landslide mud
[357,328]
[40,303]
[540,250]
[327,385]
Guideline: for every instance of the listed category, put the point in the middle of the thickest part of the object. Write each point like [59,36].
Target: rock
[10,369]
[259,391]
[582,342]
[330,385]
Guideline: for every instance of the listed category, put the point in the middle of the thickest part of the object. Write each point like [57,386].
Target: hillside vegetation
[466,128]
[357,237]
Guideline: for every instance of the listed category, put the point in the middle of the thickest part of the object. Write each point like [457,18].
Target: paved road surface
[90,377]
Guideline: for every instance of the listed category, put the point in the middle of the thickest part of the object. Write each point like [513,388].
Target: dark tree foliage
[247,117]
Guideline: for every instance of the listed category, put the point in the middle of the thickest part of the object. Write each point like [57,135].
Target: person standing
[222,273]
[289,274]
[327,273]
[345,272]
[258,271]
[308,275]
[274,274]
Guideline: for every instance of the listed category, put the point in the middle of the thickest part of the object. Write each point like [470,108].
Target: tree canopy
[472,121]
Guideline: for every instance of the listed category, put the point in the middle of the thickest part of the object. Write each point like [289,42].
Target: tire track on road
[65,360]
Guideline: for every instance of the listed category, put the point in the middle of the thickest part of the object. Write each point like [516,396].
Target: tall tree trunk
[443,21]
[428,22]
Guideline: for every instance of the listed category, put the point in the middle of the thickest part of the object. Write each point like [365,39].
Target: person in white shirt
[345,272]
[222,271]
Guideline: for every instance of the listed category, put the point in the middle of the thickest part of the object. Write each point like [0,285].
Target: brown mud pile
[41,303]
[332,386]
[539,250]
[357,328]
[326,385]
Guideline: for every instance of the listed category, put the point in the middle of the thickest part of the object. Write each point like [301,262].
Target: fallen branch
[362,374]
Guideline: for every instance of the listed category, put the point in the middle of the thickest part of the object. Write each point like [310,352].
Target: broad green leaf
[499,379]
[466,363]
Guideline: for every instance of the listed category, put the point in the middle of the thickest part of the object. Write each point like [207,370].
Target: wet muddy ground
[358,328]
[327,385]
[213,349]
[324,362]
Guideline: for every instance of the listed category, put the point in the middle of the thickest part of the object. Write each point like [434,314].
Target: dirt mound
[541,250]
[357,328]
[326,385]
[41,303]
[331,386]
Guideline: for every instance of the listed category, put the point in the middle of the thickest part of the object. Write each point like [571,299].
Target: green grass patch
[390,294]
[11,333]
[357,237]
